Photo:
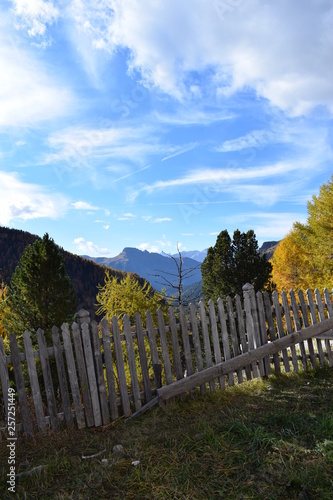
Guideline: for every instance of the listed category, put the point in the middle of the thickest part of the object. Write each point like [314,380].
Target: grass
[263,439]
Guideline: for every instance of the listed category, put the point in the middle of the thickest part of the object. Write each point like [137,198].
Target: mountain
[268,248]
[194,254]
[85,274]
[154,267]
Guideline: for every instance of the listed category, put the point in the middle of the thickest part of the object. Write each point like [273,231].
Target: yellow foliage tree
[117,298]
[4,312]
[292,264]
[304,258]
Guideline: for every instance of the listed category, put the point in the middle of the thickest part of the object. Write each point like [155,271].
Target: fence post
[252,325]
[83,316]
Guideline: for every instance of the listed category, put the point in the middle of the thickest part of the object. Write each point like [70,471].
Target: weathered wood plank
[263,330]
[271,330]
[4,375]
[241,331]
[233,333]
[132,363]
[120,367]
[72,376]
[279,322]
[256,325]
[289,329]
[109,369]
[196,343]
[47,377]
[225,337]
[92,378]
[99,370]
[19,380]
[250,330]
[206,342]
[83,377]
[321,313]
[306,323]
[314,320]
[34,384]
[164,347]
[186,344]
[175,344]
[143,358]
[63,386]
[250,357]
[215,338]
[298,326]
[157,367]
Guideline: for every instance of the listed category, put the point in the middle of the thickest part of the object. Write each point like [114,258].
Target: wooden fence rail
[95,373]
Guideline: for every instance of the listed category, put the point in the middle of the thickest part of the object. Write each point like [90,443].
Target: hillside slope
[85,274]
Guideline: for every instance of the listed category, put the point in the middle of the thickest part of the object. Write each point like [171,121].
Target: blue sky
[147,123]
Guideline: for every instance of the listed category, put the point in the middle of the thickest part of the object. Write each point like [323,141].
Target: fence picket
[109,369]
[120,367]
[97,355]
[63,387]
[263,330]
[157,367]
[83,377]
[72,376]
[48,384]
[319,303]
[233,333]
[215,338]
[225,337]
[206,341]
[175,344]
[164,347]
[278,316]
[297,322]
[241,331]
[143,358]
[271,330]
[132,363]
[197,344]
[35,390]
[314,321]
[250,330]
[289,329]
[19,380]
[304,311]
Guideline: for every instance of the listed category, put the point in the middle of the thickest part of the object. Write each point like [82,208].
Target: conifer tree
[232,263]
[40,293]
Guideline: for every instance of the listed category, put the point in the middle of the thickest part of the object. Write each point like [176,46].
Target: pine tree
[232,263]
[40,293]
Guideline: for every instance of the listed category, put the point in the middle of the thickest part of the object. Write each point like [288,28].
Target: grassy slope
[263,439]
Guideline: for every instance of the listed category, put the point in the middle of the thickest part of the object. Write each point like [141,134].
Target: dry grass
[264,439]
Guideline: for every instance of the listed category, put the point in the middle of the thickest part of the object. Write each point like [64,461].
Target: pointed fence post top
[83,316]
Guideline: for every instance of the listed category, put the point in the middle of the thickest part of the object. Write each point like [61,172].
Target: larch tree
[127,296]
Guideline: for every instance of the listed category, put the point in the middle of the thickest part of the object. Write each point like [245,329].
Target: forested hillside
[84,274]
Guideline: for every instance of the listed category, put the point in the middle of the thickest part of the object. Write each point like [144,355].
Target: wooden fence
[94,374]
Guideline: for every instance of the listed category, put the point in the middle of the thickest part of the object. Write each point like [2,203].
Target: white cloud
[149,247]
[158,220]
[282,50]
[30,93]
[24,201]
[83,205]
[35,15]
[89,248]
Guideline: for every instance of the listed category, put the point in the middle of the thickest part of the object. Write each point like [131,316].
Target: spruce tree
[40,294]
[232,263]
